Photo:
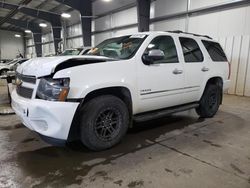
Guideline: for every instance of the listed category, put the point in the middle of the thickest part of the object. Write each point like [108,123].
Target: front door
[161,83]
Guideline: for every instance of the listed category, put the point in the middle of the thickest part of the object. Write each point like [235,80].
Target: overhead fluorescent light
[43,25]
[27,31]
[17,35]
[107,0]
[65,15]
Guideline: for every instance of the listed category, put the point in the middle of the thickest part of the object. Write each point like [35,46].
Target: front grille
[24,92]
[24,78]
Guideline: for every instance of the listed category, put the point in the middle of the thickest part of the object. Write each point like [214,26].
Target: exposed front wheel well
[122,93]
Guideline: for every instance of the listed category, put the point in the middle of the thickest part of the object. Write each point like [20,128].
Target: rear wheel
[104,122]
[210,101]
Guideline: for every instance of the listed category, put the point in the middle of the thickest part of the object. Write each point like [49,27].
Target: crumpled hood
[45,66]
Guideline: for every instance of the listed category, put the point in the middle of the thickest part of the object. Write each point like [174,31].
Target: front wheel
[104,122]
[210,102]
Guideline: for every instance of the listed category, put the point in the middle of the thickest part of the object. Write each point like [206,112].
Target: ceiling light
[27,31]
[43,25]
[65,15]
[107,0]
[17,35]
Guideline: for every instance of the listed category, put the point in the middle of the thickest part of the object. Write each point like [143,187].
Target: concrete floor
[179,151]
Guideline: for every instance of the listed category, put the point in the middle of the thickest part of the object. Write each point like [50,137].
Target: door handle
[176,71]
[205,69]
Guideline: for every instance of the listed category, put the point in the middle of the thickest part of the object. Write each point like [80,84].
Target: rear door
[196,68]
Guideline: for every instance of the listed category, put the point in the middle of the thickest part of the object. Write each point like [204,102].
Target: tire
[104,122]
[210,101]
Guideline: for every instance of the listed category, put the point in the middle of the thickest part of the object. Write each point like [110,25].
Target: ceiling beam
[13,11]
[143,15]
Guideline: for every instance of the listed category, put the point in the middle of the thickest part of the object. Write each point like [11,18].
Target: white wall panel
[177,24]
[235,64]
[152,10]
[240,84]
[229,48]
[247,84]
[195,4]
[226,23]
[125,31]
[125,17]
[103,23]
[49,48]
[74,30]
[237,49]
[222,42]
[163,7]
[204,24]
[101,37]
[75,42]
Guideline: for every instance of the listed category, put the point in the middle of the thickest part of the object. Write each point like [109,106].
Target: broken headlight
[53,89]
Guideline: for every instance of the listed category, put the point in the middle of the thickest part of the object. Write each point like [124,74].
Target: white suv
[137,77]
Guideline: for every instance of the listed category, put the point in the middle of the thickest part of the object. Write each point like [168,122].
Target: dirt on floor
[181,150]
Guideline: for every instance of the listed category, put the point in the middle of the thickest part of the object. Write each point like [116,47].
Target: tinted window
[215,51]
[167,45]
[191,50]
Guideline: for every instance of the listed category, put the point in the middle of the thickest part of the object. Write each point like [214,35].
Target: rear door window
[215,51]
[191,50]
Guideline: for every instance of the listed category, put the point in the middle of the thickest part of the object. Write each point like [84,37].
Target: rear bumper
[226,85]
[48,118]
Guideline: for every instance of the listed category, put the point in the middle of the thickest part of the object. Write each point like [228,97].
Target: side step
[164,112]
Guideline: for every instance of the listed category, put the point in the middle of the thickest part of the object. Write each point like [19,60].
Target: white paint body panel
[131,74]
[45,117]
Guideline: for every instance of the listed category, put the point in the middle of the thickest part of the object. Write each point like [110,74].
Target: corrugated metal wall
[237,49]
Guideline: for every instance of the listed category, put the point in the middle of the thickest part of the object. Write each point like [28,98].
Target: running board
[162,113]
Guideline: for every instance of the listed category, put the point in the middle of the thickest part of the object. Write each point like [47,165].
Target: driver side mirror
[153,55]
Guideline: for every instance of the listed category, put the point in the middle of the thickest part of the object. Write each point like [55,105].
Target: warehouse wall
[10,45]
[107,22]
[113,21]
[48,48]
[230,27]
[30,51]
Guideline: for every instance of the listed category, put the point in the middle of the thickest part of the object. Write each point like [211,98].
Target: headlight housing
[53,89]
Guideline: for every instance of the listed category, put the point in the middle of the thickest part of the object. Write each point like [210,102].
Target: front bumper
[48,118]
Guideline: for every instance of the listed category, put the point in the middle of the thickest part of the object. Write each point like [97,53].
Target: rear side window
[215,51]
[191,50]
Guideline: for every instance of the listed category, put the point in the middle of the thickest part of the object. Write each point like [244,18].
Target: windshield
[71,52]
[119,48]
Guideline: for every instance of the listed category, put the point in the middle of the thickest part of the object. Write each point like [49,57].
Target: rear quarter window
[215,51]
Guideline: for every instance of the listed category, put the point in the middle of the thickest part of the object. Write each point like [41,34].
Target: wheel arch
[216,80]
[121,92]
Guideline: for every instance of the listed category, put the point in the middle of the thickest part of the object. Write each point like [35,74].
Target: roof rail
[197,35]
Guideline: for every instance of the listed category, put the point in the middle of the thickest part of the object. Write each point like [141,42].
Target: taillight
[229,68]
